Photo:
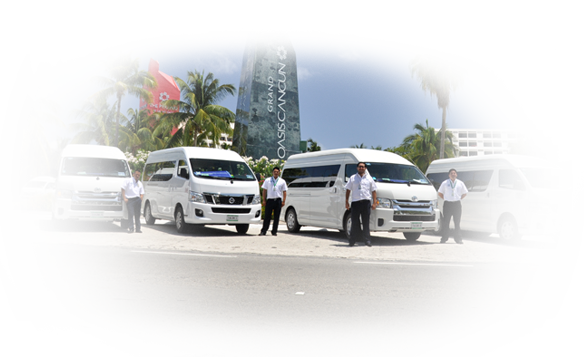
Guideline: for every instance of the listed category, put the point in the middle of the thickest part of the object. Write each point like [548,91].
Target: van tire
[148,214]
[561,240]
[507,228]
[242,228]
[57,223]
[412,236]
[347,225]
[179,220]
[292,221]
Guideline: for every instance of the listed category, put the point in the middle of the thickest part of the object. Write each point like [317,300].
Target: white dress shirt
[275,187]
[361,187]
[133,188]
[452,191]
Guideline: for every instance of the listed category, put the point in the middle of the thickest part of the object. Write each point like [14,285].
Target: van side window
[437,178]
[510,179]
[316,176]
[160,171]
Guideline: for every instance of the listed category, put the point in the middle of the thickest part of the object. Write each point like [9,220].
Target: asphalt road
[90,289]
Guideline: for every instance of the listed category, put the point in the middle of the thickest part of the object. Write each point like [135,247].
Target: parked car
[200,186]
[511,195]
[38,193]
[316,192]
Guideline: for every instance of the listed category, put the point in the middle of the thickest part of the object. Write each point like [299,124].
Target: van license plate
[96,214]
[232,218]
[417,225]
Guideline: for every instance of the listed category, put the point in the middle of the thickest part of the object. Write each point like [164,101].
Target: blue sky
[351,90]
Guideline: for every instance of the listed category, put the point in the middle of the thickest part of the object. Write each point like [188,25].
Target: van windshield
[221,170]
[558,179]
[91,166]
[390,173]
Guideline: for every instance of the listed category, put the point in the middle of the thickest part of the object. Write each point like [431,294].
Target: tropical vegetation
[438,82]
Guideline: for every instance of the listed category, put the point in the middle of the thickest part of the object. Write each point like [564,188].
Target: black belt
[274,199]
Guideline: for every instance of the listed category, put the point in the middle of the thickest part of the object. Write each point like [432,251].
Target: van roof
[197,152]
[366,155]
[500,159]
[80,150]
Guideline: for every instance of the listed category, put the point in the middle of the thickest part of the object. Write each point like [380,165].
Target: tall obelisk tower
[267,121]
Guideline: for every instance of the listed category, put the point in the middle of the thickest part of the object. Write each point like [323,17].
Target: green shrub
[36,203]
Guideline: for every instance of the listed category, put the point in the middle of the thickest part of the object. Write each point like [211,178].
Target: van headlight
[64,193]
[434,204]
[196,197]
[384,203]
[539,207]
[256,200]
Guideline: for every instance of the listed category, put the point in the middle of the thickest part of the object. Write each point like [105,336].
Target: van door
[508,196]
[178,187]
[325,196]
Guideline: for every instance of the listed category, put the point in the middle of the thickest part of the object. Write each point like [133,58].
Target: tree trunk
[443,133]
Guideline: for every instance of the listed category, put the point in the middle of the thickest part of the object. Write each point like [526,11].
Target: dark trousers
[272,205]
[575,218]
[134,205]
[451,210]
[360,210]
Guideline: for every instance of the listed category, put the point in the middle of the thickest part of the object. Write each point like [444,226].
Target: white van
[89,183]
[193,185]
[506,193]
[37,186]
[316,192]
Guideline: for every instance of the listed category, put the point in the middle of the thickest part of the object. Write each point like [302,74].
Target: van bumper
[383,219]
[63,209]
[201,213]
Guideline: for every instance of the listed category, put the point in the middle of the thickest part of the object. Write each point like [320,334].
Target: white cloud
[218,63]
[348,54]
[304,73]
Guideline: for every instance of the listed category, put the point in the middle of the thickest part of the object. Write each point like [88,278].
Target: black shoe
[459,242]
[138,231]
[368,243]
[351,244]
[262,234]
[443,240]
[274,234]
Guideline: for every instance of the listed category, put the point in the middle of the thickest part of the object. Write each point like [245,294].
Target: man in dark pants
[132,193]
[452,191]
[574,200]
[274,198]
[362,191]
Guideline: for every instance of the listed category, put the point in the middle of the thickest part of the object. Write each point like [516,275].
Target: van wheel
[347,225]
[508,228]
[57,223]
[179,220]
[148,214]
[292,221]
[242,228]
[561,240]
[412,236]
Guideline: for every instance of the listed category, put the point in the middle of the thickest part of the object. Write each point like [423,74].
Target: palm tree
[126,78]
[27,112]
[198,118]
[422,147]
[312,145]
[98,123]
[438,83]
[362,146]
[137,131]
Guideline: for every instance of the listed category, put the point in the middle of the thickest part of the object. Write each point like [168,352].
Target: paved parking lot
[310,241]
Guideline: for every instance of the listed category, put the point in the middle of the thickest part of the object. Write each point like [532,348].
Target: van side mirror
[518,185]
[184,173]
[258,176]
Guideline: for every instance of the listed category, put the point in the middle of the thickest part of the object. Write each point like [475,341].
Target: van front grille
[231,210]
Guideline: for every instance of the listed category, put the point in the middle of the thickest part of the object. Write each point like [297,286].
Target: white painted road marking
[421,264]
[192,254]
